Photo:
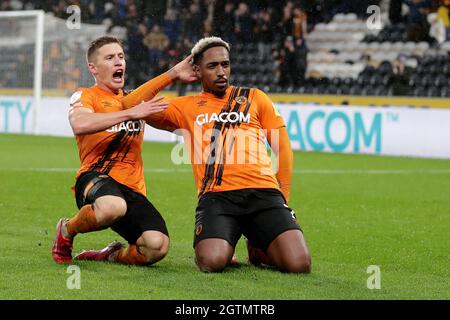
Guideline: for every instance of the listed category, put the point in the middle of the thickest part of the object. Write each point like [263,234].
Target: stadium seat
[364,79]
[446,69]
[441,80]
[369,91]
[375,79]
[434,69]
[445,92]
[433,92]
[385,68]
[420,92]
[331,89]
[415,80]
[355,90]
[238,47]
[381,90]
[427,80]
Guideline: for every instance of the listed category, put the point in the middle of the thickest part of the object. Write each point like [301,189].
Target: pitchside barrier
[397,131]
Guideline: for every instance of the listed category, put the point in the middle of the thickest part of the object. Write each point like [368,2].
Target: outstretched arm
[182,71]
[278,138]
[281,145]
[83,120]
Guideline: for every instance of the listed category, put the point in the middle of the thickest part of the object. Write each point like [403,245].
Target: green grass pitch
[356,211]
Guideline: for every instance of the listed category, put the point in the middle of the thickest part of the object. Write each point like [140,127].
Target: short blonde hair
[205,43]
[100,42]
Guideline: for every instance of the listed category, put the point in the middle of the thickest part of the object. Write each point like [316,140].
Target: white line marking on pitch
[296,171]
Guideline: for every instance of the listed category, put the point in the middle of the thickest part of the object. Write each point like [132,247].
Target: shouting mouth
[118,76]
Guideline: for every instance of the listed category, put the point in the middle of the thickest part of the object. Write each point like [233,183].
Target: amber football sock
[84,221]
[130,255]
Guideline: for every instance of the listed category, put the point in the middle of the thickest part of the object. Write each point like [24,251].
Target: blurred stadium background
[296,47]
[348,77]
[389,53]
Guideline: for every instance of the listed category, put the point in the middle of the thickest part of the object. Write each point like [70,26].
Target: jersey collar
[211,95]
[105,92]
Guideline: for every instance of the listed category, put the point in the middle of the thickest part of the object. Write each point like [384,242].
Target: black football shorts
[258,214]
[141,215]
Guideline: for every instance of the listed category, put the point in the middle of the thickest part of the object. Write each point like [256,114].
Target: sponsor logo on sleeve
[76,98]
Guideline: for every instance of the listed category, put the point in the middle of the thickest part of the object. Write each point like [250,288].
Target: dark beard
[218,93]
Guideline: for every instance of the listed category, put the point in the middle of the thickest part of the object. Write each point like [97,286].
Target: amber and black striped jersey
[115,151]
[225,137]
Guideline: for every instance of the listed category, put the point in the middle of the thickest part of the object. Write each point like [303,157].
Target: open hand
[183,71]
[146,108]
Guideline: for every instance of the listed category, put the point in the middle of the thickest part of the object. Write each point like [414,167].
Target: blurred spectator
[264,33]
[171,25]
[161,67]
[319,10]
[437,29]
[154,11]
[120,9]
[395,11]
[85,9]
[208,23]
[207,28]
[370,62]
[137,53]
[52,63]
[132,15]
[98,11]
[243,24]
[299,24]
[10,79]
[347,6]
[123,16]
[23,66]
[193,23]
[72,74]
[360,7]
[176,53]
[285,24]
[59,9]
[289,71]
[292,57]
[417,25]
[443,13]
[279,26]
[6,5]
[301,53]
[156,41]
[224,22]
[400,77]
